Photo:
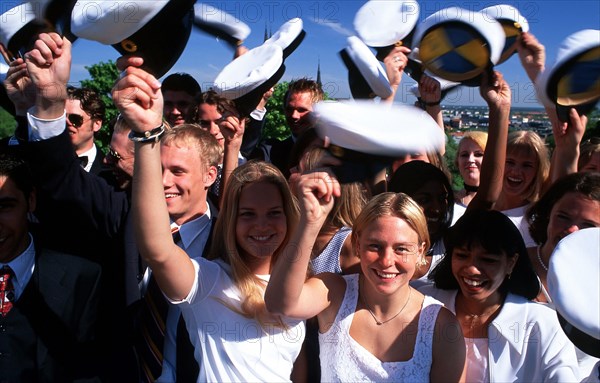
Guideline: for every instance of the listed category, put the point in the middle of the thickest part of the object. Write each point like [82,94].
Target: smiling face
[208,118]
[261,225]
[186,179]
[177,106]
[470,156]
[433,199]
[480,274]
[573,212]
[519,173]
[120,157]
[389,250]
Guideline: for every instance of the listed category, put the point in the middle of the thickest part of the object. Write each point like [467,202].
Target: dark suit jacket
[50,334]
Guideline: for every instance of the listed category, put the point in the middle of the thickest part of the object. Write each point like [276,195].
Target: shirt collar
[190,230]
[91,155]
[22,266]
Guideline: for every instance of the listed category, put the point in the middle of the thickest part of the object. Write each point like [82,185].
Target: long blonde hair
[531,142]
[224,244]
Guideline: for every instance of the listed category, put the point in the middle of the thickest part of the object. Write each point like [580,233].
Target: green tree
[103,76]
[7,123]
[449,156]
[275,126]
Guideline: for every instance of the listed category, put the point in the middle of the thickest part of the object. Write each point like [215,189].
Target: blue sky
[329,23]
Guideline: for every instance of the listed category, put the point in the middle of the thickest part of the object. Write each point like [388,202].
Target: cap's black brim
[219,33]
[293,45]
[248,102]
[583,341]
[162,40]
[359,87]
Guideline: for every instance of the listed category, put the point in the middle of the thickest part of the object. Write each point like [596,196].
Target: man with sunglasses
[85,112]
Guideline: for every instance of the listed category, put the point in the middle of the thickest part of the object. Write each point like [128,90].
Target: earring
[509,274]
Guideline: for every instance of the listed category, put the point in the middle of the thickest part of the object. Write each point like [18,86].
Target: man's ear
[96,125]
[211,176]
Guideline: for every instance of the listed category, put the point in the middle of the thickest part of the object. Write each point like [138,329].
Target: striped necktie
[7,291]
[154,312]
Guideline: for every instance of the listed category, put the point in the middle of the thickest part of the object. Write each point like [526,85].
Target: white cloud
[335,26]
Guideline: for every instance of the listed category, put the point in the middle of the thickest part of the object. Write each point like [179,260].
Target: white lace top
[345,360]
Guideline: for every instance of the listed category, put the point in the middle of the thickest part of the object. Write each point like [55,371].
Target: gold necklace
[477,317]
[379,323]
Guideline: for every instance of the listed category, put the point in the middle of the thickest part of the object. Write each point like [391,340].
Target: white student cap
[376,128]
[156,30]
[458,45]
[20,22]
[288,36]
[574,78]
[445,85]
[513,24]
[369,136]
[574,286]
[366,76]
[245,79]
[385,23]
[220,24]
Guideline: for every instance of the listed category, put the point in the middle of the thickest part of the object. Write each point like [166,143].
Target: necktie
[7,291]
[153,319]
[83,160]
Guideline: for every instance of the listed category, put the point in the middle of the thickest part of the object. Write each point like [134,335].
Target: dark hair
[181,82]
[18,171]
[538,215]
[210,97]
[305,85]
[412,176]
[495,233]
[90,101]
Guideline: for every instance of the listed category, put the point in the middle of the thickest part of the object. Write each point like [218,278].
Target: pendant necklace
[379,323]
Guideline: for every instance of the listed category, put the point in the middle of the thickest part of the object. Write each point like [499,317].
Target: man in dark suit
[300,97]
[48,299]
[85,113]
[97,215]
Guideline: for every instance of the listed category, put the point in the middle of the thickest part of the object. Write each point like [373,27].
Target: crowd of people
[193,251]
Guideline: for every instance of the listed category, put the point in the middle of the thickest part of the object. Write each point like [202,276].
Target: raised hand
[49,67]
[316,192]
[532,55]
[495,90]
[569,134]
[137,95]
[395,62]
[430,89]
[19,87]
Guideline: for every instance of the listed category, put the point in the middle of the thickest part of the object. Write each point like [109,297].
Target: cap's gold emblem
[129,46]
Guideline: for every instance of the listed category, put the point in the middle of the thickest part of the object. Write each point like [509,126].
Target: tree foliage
[7,123]
[102,79]
[275,126]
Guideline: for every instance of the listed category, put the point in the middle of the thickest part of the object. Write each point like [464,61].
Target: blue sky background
[329,23]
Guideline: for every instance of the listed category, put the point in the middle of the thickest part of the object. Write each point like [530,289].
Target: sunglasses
[75,119]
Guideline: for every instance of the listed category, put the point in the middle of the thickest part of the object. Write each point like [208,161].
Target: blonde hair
[192,135]
[477,136]
[531,143]
[224,244]
[397,205]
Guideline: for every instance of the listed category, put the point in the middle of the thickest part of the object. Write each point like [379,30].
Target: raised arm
[232,128]
[496,92]
[431,94]
[138,97]
[567,137]
[394,63]
[288,293]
